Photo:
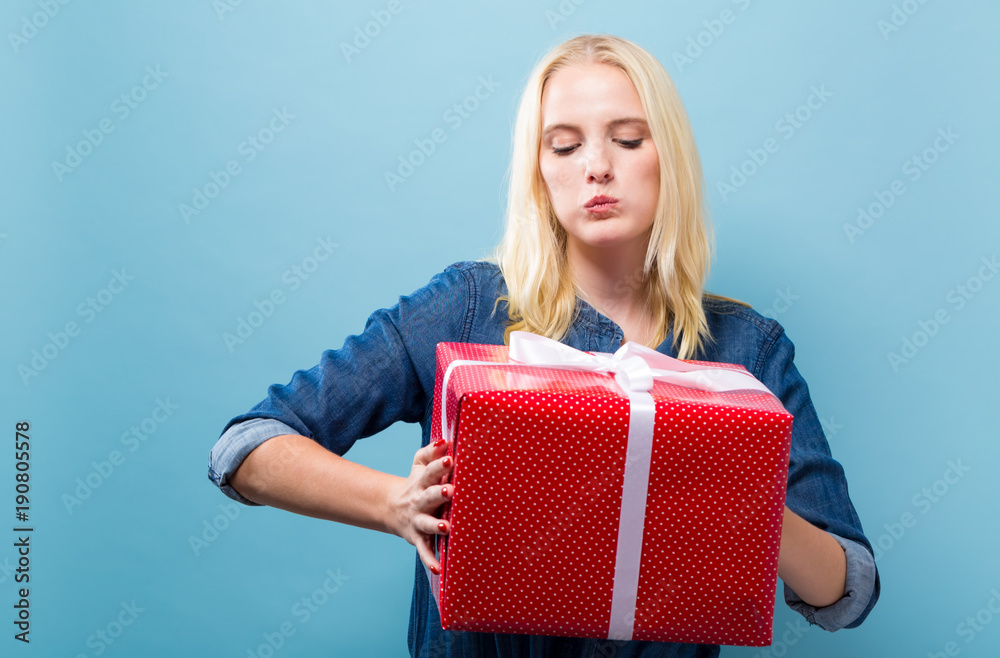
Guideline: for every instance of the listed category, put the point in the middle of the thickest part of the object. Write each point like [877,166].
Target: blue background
[897,428]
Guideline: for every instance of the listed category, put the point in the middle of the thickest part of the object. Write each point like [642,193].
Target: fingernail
[442,526]
[446,462]
[445,492]
[434,570]
[439,443]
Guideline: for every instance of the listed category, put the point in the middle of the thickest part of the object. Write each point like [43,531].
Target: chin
[609,240]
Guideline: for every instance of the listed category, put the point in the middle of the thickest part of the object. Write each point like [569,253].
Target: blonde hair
[532,253]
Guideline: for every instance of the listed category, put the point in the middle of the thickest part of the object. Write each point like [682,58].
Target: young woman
[606,241]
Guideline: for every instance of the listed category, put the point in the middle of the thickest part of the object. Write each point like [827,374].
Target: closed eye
[630,143]
[625,143]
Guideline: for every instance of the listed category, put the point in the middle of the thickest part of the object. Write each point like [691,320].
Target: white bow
[634,366]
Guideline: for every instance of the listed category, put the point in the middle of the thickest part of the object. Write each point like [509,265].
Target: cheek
[649,170]
[646,175]
[557,175]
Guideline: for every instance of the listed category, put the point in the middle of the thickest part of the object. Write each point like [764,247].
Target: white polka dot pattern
[539,464]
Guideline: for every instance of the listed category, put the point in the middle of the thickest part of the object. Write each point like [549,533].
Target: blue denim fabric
[386,374]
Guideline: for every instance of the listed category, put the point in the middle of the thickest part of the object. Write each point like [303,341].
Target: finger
[427,553]
[435,496]
[437,472]
[430,452]
[431,525]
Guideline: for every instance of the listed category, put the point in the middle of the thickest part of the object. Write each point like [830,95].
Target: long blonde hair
[532,253]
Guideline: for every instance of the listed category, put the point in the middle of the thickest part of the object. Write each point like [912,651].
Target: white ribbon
[635,366]
[635,369]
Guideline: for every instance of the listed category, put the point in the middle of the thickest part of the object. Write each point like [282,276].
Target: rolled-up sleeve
[858,590]
[383,375]
[817,490]
[233,447]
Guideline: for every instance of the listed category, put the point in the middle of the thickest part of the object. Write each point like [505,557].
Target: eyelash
[626,143]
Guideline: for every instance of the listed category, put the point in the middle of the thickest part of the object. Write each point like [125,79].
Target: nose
[598,165]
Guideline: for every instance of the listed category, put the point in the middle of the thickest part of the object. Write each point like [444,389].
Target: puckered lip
[600,199]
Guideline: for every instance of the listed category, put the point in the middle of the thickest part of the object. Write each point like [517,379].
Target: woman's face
[597,158]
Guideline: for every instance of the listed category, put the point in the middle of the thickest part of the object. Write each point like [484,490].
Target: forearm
[296,474]
[811,562]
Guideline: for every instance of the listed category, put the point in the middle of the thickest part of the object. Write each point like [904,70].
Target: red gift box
[629,496]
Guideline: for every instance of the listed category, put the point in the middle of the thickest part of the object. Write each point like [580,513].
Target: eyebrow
[611,124]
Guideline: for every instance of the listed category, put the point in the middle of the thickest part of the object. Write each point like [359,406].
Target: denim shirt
[386,374]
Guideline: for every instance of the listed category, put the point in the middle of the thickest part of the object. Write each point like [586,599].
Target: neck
[608,273]
[611,280]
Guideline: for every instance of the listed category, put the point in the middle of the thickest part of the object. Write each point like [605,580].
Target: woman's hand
[414,504]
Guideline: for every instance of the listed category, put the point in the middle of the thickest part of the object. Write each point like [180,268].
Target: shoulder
[452,304]
[740,334]
[459,280]
[482,277]
[735,315]
[477,270]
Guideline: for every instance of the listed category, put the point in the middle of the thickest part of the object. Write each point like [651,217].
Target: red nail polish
[434,570]
[446,462]
[439,443]
[445,492]
[442,526]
